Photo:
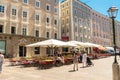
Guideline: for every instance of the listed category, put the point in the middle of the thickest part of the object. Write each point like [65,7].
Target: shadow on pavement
[71,71]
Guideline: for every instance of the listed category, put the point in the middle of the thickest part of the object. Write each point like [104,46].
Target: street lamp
[112,14]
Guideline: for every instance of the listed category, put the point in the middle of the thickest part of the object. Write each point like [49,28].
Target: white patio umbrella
[110,48]
[51,43]
[76,43]
[88,44]
[46,43]
[100,47]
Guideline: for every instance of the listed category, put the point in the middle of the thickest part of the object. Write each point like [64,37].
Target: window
[24,31]
[1,8]
[55,10]
[67,20]
[64,49]
[55,35]
[55,22]
[13,30]
[48,7]
[25,1]
[24,14]
[37,17]
[47,34]
[81,39]
[1,28]
[37,3]
[80,29]
[48,20]
[75,11]
[67,11]
[75,19]
[55,1]
[37,50]
[14,12]
[37,33]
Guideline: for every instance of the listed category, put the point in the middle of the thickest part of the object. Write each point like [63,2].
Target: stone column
[115,68]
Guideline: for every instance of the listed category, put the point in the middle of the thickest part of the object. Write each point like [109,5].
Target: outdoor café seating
[14,61]
[27,61]
[45,64]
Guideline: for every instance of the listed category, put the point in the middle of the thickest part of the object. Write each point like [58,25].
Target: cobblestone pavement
[102,70]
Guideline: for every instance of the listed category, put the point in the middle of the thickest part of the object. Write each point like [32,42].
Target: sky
[102,6]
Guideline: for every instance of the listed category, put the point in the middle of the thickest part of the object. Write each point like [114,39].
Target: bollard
[116,69]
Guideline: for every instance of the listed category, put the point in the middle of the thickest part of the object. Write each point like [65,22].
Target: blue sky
[102,6]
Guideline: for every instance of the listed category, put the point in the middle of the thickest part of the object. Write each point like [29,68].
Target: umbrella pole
[52,50]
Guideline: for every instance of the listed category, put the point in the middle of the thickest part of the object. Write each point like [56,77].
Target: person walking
[1,61]
[84,59]
[75,61]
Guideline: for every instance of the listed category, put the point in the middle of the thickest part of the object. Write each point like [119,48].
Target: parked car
[112,52]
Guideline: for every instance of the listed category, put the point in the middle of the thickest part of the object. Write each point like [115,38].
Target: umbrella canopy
[88,44]
[110,48]
[100,47]
[46,43]
[95,45]
[76,43]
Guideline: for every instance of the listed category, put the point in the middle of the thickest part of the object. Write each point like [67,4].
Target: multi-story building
[82,23]
[75,21]
[101,30]
[27,21]
[117,32]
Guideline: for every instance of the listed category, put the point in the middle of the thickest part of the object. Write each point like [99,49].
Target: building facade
[101,30]
[75,21]
[82,23]
[117,33]
[24,22]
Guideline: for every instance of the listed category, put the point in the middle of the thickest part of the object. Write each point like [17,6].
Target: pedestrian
[84,59]
[75,62]
[1,61]
[80,58]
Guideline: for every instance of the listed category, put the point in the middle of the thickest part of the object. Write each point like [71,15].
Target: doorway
[22,51]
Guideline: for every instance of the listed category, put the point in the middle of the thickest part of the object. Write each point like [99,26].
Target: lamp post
[115,67]
[112,14]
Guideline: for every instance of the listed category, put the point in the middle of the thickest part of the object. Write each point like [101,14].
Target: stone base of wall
[14,41]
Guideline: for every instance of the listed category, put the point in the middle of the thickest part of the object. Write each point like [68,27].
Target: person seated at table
[61,58]
[55,53]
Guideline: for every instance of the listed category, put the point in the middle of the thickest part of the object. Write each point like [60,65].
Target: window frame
[48,34]
[37,34]
[13,30]
[48,7]
[24,14]
[36,4]
[14,11]
[25,1]
[37,51]
[2,8]
[1,28]
[24,31]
